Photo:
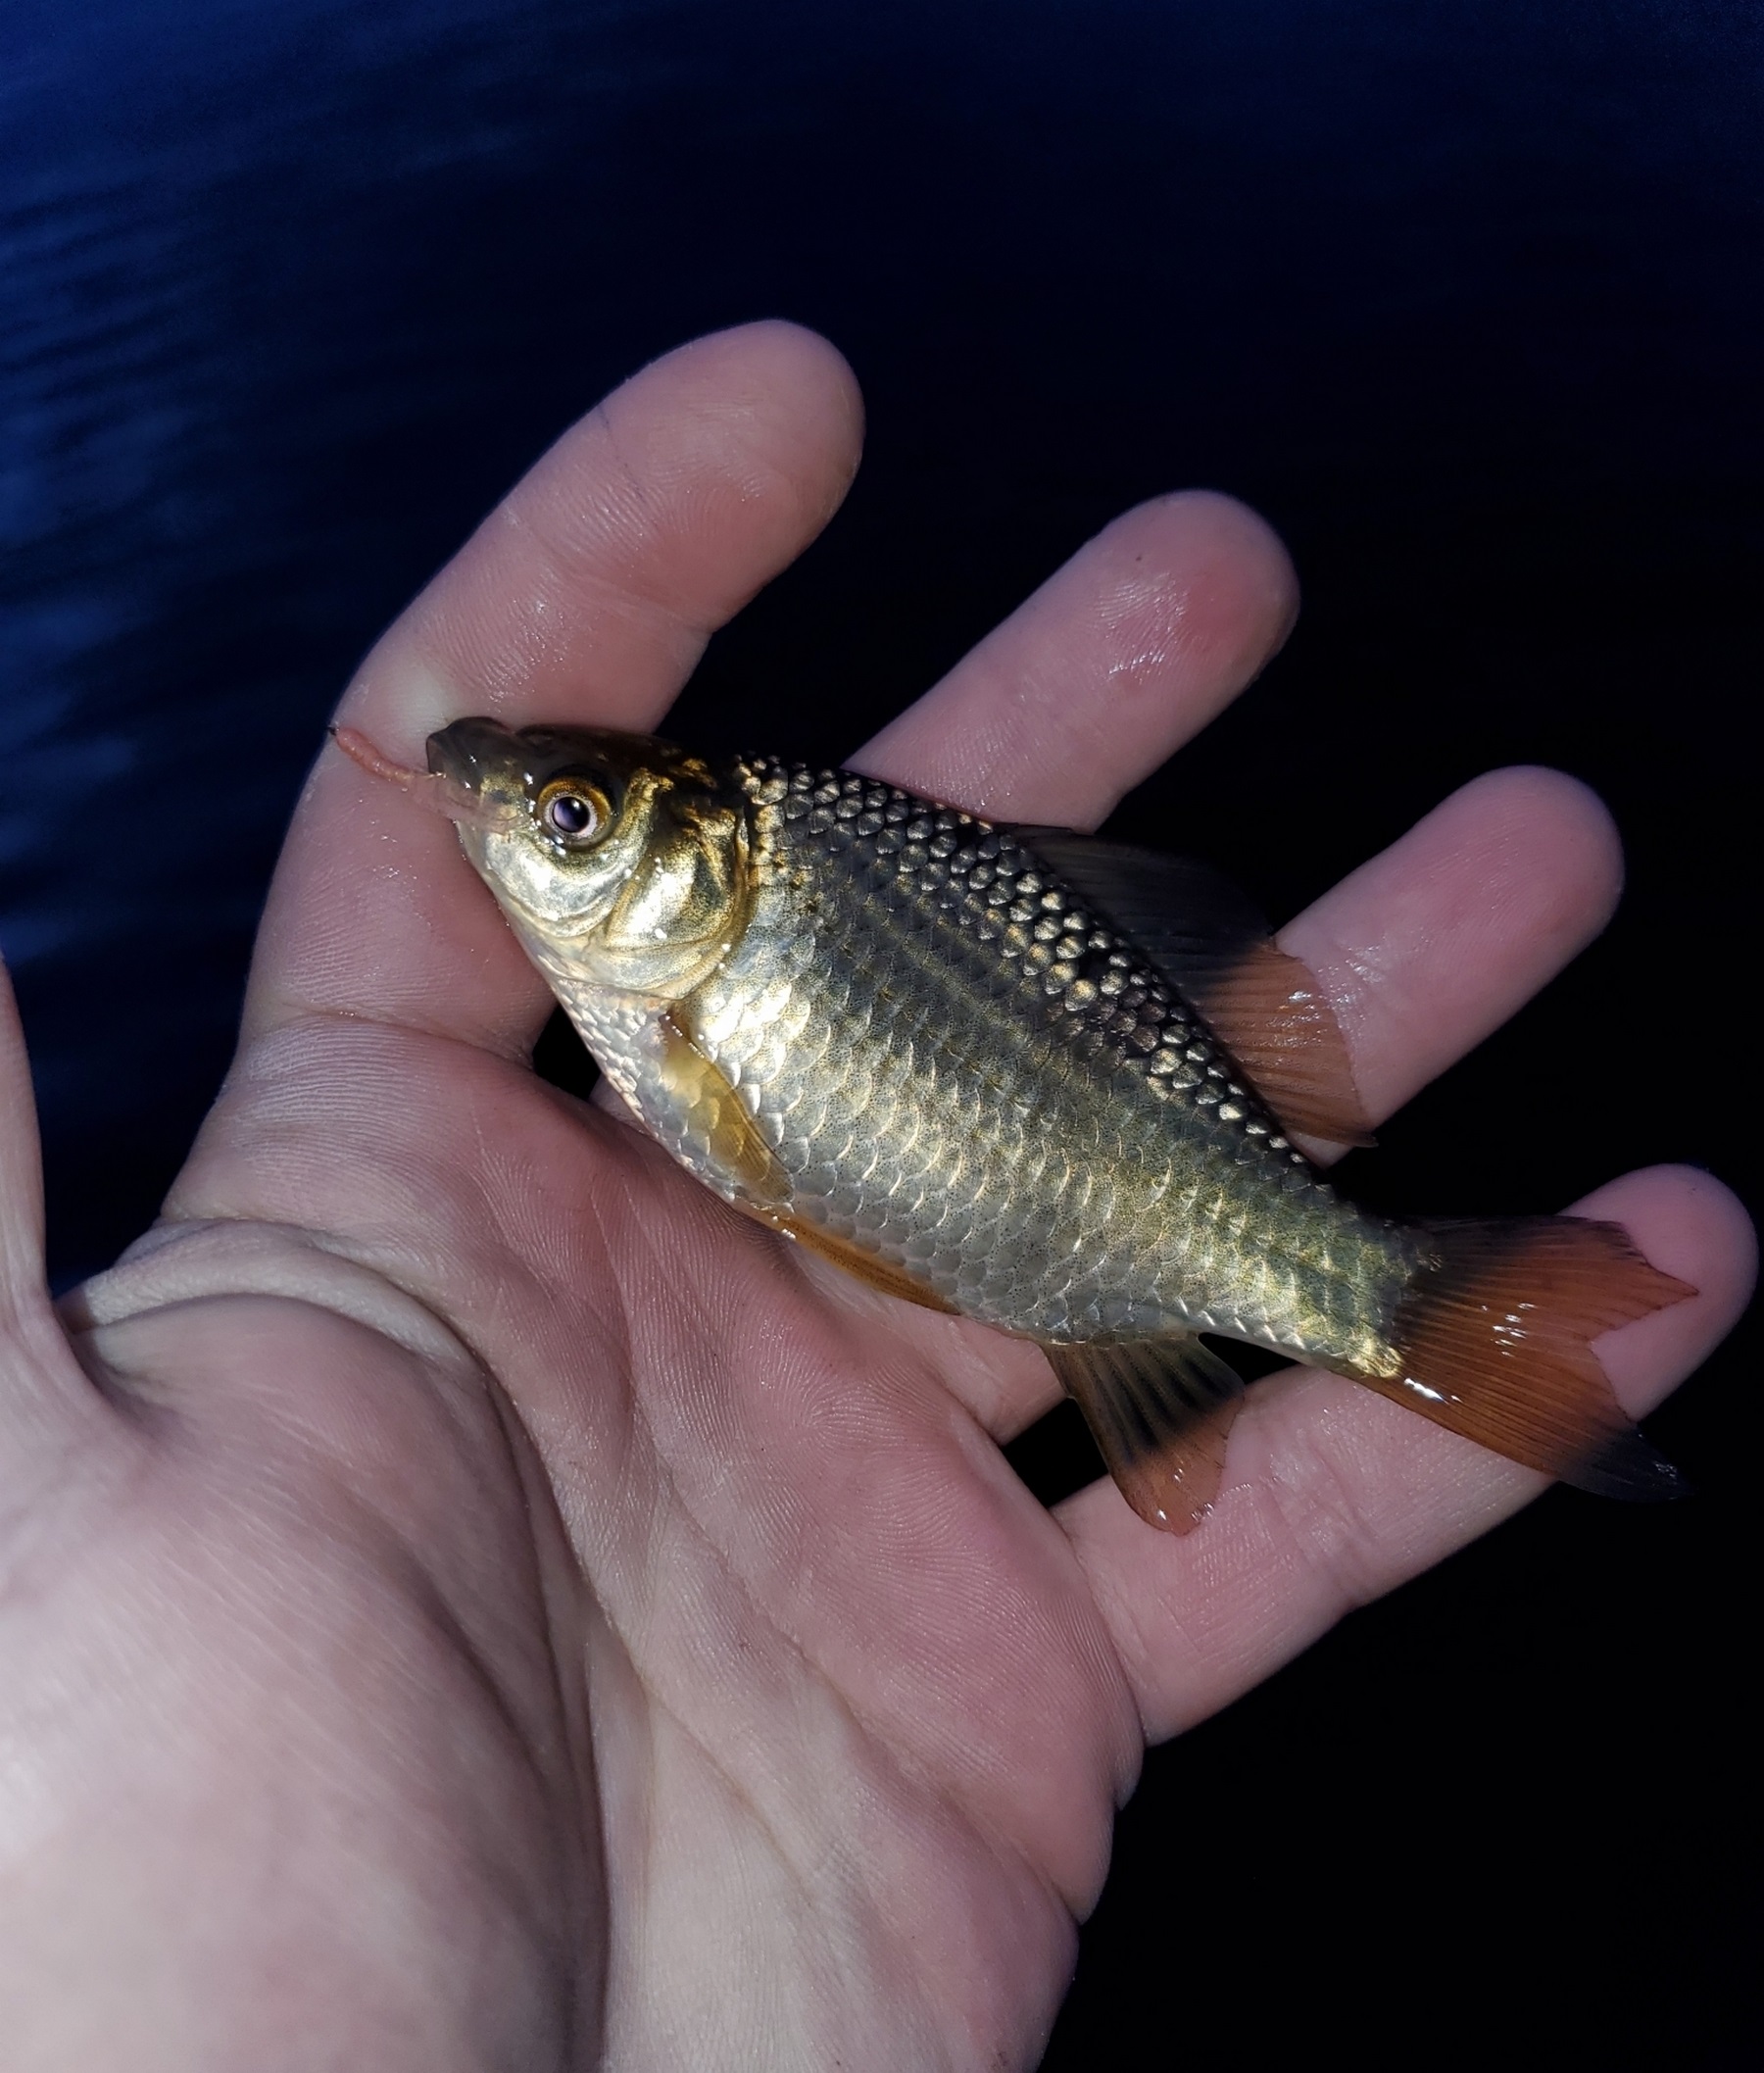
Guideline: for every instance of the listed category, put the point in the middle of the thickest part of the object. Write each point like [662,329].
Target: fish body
[959,1068]
[1007,1074]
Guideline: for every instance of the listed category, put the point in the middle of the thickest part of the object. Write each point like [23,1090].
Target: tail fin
[1496,1338]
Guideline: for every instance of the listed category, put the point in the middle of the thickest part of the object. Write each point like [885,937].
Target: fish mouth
[471,753]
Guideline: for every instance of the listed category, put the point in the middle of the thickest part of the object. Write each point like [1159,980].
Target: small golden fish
[1028,1076]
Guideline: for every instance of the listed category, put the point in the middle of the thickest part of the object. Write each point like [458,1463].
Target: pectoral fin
[714,1117]
[1160,1411]
[1212,943]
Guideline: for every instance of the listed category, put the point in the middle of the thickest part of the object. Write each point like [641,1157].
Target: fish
[1030,1077]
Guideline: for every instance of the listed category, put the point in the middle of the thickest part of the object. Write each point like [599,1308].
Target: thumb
[40,1382]
[22,1290]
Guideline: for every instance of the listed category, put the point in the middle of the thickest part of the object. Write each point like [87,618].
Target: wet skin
[476,1601]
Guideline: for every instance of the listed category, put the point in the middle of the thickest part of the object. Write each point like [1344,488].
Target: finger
[43,1394]
[1333,1495]
[21,1174]
[587,595]
[1423,951]
[1119,657]
[1433,943]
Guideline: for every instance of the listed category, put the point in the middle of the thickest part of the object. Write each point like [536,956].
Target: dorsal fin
[1159,1411]
[1212,943]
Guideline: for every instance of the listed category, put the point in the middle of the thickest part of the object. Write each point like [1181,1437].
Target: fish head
[621,861]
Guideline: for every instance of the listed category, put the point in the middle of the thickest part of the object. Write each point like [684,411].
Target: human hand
[469,1598]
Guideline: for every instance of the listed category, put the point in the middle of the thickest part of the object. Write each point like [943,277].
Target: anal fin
[1161,1411]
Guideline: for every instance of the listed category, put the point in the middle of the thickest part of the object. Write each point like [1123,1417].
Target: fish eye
[573,812]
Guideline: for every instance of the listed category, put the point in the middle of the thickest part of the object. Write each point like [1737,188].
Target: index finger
[587,595]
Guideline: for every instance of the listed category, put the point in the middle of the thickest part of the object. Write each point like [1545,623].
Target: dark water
[1467,297]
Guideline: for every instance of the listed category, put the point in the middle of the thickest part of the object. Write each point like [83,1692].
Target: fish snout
[471,750]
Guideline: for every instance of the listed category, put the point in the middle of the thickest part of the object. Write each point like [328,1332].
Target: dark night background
[1467,297]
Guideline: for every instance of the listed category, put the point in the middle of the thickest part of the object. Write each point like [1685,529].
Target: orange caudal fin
[1496,1342]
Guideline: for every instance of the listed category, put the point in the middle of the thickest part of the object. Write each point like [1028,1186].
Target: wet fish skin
[899,1033]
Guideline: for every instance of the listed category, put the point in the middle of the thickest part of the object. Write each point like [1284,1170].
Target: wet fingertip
[799,392]
[823,365]
[1585,841]
[1683,1216]
[1265,570]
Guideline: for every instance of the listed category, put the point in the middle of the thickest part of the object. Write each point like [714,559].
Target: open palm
[496,1607]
